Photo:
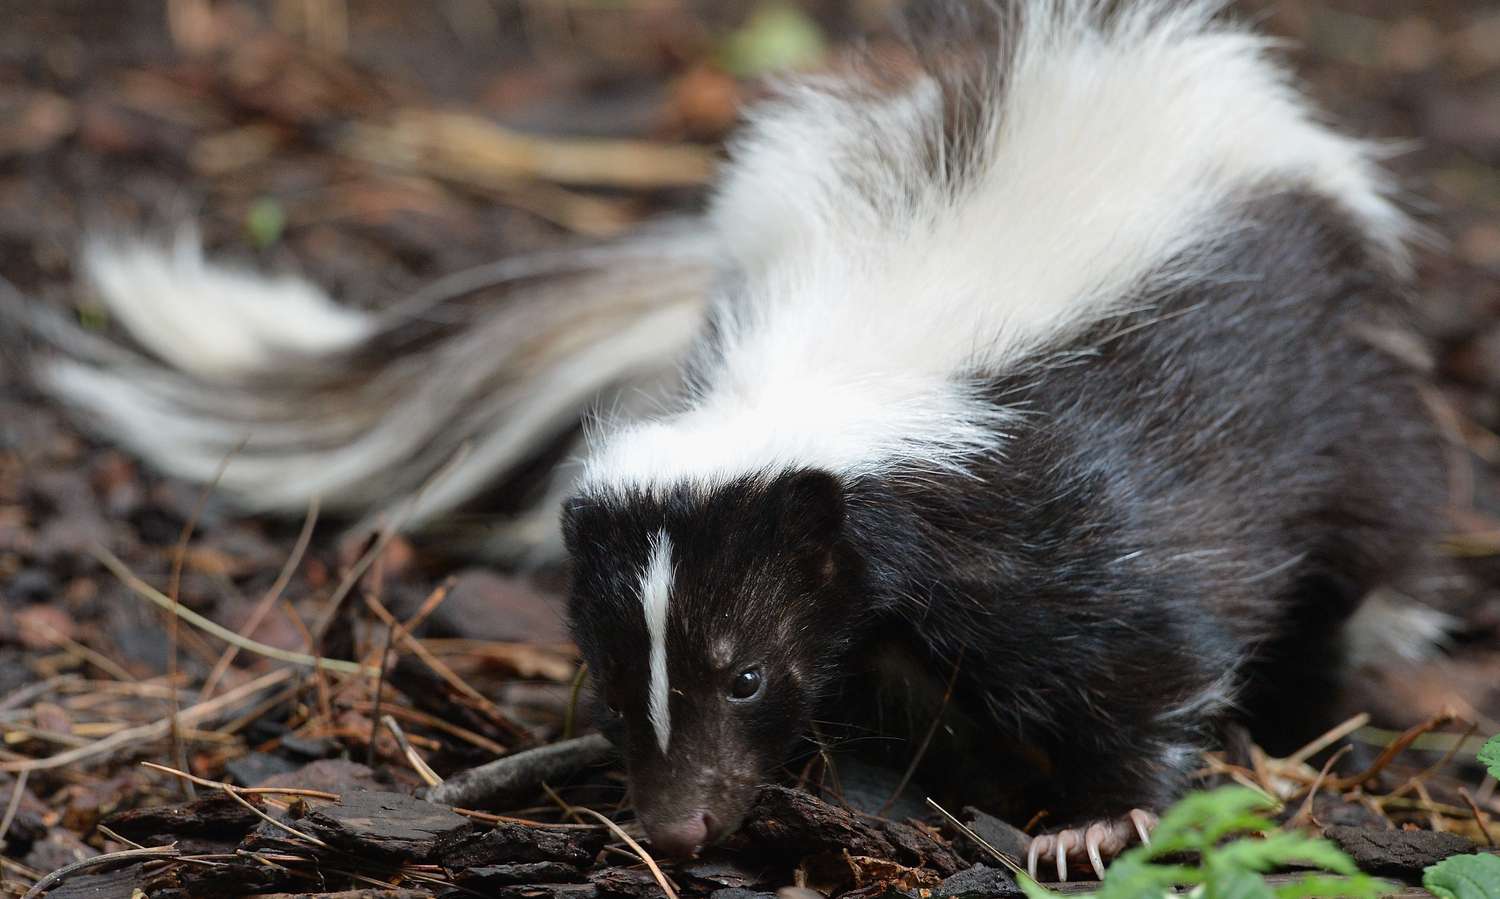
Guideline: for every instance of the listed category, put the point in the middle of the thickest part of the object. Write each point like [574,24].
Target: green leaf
[1464,877]
[1132,877]
[1238,824]
[265,222]
[1280,849]
[1230,884]
[1489,756]
[1198,823]
[778,36]
[1200,820]
[1318,886]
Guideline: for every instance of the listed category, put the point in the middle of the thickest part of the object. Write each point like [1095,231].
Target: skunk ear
[588,529]
[573,509]
[814,498]
[811,504]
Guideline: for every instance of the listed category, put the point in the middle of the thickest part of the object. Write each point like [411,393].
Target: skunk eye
[746,684]
[611,709]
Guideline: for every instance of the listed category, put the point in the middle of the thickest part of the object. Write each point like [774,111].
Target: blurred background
[373,146]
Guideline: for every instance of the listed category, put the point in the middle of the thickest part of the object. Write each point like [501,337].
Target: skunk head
[712,620]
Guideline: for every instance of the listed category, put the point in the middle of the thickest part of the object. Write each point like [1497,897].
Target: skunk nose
[681,839]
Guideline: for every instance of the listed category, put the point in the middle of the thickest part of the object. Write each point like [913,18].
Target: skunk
[1054,373]
[1034,366]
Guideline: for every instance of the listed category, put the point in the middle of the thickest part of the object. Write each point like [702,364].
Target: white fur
[1208,702]
[152,413]
[870,290]
[210,320]
[584,326]
[1390,627]
[656,592]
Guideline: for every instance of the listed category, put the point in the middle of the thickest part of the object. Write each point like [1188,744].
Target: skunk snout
[683,838]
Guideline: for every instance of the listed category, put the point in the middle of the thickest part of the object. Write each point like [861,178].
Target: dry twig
[26,694]
[916,759]
[656,872]
[443,671]
[203,711]
[234,793]
[1395,748]
[1304,814]
[521,772]
[377,548]
[56,877]
[174,595]
[1334,734]
[1012,864]
[1479,816]
[468,148]
[417,716]
[146,591]
[418,764]
[92,656]
[267,602]
[18,789]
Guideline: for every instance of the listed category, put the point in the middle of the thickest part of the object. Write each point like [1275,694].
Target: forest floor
[356,144]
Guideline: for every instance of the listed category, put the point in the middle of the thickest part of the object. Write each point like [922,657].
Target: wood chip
[391,826]
[791,821]
[214,817]
[509,844]
[1400,854]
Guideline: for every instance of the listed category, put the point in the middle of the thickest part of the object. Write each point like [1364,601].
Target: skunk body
[1037,358]
[1049,372]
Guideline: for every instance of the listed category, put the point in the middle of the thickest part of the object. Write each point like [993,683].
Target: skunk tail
[477,384]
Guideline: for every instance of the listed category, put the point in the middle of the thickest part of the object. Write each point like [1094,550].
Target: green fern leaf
[1489,756]
[1281,849]
[1231,884]
[1360,886]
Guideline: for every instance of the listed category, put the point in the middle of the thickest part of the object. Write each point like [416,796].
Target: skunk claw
[1065,840]
[1144,822]
[1032,854]
[1095,843]
[1092,838]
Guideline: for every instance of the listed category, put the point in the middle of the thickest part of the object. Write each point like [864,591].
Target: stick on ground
[517,777]
[56,877]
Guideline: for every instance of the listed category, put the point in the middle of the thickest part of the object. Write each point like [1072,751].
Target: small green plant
[777,37]
[1200,824]
[1475,876]
[265,222]
[1489,756]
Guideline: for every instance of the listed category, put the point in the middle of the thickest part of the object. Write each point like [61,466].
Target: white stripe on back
[1116,154]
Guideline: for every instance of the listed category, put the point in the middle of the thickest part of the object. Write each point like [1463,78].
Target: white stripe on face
[656,589]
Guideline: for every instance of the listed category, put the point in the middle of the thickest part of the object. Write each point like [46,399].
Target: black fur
[1196,492]
[762,579]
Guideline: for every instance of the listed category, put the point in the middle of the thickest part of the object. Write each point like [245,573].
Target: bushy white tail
[478,383]
[211,321]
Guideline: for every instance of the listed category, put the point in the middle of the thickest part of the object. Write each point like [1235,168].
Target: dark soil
[244,117]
